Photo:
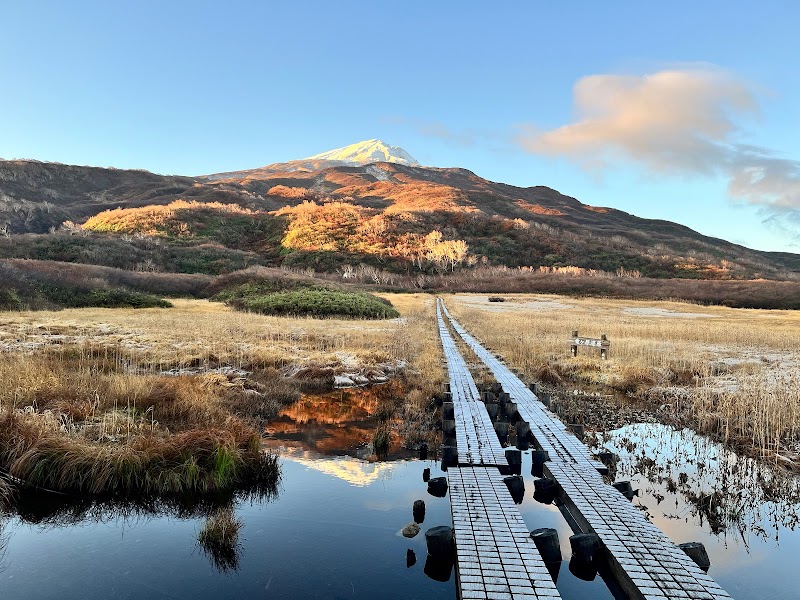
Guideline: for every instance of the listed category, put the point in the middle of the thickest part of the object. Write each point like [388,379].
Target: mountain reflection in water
[338,423]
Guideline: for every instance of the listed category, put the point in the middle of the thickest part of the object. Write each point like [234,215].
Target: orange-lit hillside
[312,214]
[170,219]
[352,229]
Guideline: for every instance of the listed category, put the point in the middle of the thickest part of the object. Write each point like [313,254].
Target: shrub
[9,300]
[317,303]
[118,298]
[46,284]
[259,281]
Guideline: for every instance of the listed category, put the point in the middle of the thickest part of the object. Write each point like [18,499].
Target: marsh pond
[332,526]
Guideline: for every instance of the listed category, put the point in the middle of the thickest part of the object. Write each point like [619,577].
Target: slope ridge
[391,215]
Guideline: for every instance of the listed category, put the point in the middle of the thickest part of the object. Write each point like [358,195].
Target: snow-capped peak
[366,152]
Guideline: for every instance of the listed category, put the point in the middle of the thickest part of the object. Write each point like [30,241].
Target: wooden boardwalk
[643,560]
[497,559]
[476,440]
[549,433]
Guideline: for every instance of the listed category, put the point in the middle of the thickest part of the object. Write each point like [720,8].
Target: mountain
[36,196]
[504,224]
[320,213]
[366,152]
[360,153]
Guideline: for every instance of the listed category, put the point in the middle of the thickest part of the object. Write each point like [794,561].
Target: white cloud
[682,121]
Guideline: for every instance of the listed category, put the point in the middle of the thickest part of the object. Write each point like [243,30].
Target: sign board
[580,341]
[603,344]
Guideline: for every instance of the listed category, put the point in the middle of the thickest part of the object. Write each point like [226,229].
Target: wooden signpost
[602,343]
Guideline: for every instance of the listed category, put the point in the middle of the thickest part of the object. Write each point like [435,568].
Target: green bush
[9,300]
[260,288]
[318,303]
[118,298]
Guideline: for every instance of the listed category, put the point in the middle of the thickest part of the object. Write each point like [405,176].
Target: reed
[5,493]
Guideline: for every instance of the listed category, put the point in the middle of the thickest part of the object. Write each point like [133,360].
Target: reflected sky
[744,511]
[320,538]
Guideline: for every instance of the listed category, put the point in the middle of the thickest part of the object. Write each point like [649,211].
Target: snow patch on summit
[366,152]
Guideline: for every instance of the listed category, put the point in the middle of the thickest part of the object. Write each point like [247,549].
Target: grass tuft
[5,493]
[200,460]
[219,539]
[382,439]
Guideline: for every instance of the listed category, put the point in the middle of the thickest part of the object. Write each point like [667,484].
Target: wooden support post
[418,511]
[578,429]
[516,486]
[514,458]
[449,427]
[539,457]
[546,540]
[492,409]
[625,488]
[437,487]
[585,546]
[502,431]
[545,489]
[448,411]
[697,552]
[510,410]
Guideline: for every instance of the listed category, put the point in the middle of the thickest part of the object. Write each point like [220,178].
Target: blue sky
[201,87]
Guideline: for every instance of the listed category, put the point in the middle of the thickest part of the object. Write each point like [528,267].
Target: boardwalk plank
[476,440]
[496,556]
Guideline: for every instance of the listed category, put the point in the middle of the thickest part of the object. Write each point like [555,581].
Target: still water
[745,512]
[331,530]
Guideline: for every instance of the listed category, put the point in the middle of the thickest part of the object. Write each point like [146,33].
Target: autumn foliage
[348,228]
[159,220]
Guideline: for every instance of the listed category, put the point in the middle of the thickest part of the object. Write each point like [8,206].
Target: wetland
[343,464]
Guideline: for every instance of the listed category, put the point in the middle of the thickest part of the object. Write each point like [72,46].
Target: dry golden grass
[5,498]
[116,400]
[734,373]
[418,340]
[417,344]
[199,332]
